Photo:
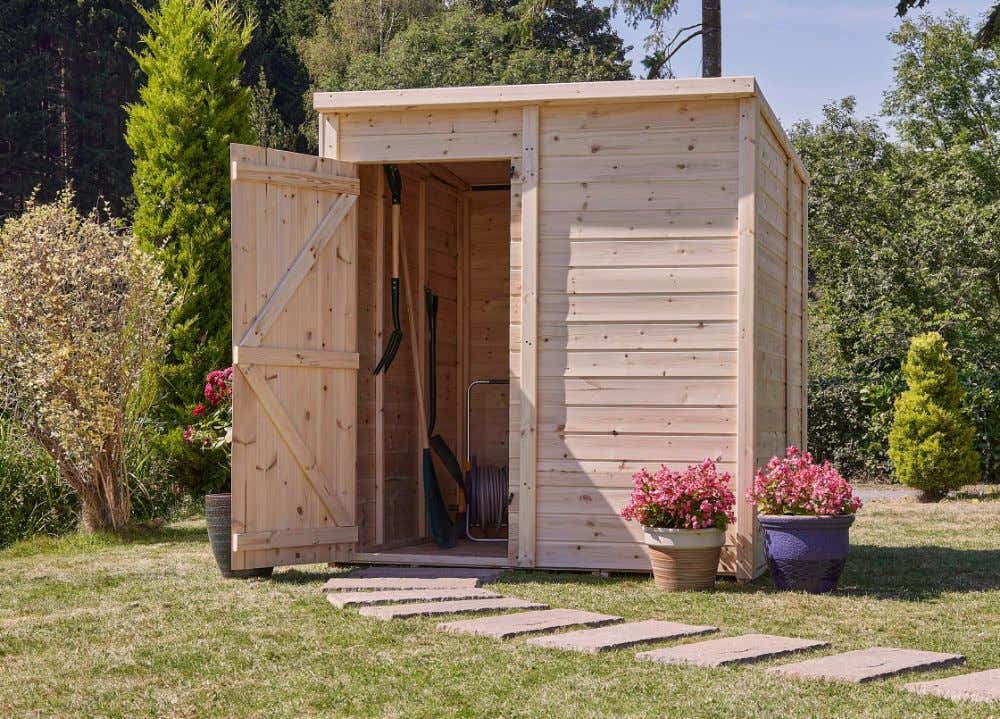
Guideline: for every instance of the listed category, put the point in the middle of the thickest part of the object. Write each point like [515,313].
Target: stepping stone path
[975,687]
[864,665]
[618,636]
[459,606]
[731,650]
[359,599]
[390,593]
[505,626]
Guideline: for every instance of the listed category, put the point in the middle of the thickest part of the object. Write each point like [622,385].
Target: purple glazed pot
[806,553]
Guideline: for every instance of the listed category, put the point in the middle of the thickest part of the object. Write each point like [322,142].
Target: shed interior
[455,243]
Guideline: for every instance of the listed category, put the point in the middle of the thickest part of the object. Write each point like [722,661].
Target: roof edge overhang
[561,93]
[541,94]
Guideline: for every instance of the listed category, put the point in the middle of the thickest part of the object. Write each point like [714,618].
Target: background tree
[904,240]
[931,440]
[191,108]
[989,31]
[66,75]
[461,46]
[81,312]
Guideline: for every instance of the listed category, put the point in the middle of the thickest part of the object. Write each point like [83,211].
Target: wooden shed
[629,255]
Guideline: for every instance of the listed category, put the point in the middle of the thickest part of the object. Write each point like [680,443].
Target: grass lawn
[103,626]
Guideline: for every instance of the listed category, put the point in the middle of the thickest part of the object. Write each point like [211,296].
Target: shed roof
[694,88]
[546,93]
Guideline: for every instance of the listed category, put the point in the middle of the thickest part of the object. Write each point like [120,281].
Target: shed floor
[465,554]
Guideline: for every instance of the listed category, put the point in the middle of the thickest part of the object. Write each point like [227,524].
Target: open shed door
[295,348]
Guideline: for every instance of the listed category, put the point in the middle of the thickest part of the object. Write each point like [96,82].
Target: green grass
[143,626]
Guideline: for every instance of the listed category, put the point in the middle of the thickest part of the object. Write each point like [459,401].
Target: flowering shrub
[213,426]
[794,484]
[82,311]
[697,498]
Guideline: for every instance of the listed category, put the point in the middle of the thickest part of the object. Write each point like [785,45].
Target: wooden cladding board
[430,134]
[490,340]
[637,313]
[294,433]
[779,364]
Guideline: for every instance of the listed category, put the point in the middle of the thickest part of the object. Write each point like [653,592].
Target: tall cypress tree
[191,107]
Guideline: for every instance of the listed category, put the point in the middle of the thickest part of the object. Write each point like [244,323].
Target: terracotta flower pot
[684,559]
[218,517]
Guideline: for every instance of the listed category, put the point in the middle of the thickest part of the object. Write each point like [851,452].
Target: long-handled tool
[395,182]
[439,524]
[437,442]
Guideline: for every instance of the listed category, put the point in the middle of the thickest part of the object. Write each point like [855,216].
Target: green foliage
[905,239]
[266,122]
[191,108]
[931,440]
[81,324]
[32,501]
[463,47]
[66,73]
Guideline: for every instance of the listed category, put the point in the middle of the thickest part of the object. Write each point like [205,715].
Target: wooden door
[295,349]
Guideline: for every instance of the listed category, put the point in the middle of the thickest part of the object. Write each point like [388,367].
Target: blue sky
[803,52]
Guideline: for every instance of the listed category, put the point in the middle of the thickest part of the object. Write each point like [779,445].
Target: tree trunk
[711,38]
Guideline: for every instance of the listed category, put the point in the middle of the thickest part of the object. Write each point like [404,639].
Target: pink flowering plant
[795,484]
[697,498]
[212,426]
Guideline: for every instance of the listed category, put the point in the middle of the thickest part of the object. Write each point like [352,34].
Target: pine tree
[191,108]
[931,441]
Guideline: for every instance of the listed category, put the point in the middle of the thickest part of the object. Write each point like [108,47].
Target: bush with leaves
[81,320]
[191,108]
[32,500]
[931,442]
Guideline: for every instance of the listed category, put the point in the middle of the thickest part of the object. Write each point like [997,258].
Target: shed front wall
[635,261]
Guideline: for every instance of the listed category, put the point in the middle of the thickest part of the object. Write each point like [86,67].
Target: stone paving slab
[864,665]
[340,584]
[361,599]
[975,687]
[512,625]
[483,574]
[458,606]
[618,636]
[731,650]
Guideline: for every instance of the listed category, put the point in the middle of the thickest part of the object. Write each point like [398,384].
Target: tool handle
[395,240]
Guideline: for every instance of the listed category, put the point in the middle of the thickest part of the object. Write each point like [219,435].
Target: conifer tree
[931,441]
[191,107]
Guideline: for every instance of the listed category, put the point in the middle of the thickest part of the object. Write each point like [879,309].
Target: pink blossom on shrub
[219,385]
[795,484]
[199,409]
[697,498]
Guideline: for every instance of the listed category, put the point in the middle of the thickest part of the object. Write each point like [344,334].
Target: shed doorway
[454,244]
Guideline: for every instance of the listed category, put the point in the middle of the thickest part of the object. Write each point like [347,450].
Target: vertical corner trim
[528,436]
[746,374]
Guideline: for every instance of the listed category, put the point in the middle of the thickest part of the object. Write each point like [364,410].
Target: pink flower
[697,498]
[188,434]
[198,410]
[795,484]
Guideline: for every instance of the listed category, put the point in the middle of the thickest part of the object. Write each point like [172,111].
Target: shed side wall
[780,312]
[637,314]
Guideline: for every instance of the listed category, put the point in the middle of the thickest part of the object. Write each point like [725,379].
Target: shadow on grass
[300,576]
[919,572]
[902,573]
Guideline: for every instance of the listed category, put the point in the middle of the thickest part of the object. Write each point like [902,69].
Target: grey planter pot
[218,517]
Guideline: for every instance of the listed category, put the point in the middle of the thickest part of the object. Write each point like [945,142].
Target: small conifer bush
[931,441]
